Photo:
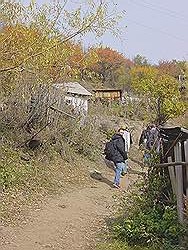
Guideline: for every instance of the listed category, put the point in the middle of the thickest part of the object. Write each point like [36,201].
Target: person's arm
[131,140]
[120,145]
[142,137]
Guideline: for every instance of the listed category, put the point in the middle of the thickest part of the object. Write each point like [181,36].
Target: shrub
[151,218]
[12,170]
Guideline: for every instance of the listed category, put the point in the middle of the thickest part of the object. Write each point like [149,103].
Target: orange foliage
[170,68]
[76,58]
[110,59]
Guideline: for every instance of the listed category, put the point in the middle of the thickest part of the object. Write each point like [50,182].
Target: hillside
[75,216]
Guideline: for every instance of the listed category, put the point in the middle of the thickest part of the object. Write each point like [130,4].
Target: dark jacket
[142,137]
[119,154]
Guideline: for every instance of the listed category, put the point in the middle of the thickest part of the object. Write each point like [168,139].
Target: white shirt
[127,138]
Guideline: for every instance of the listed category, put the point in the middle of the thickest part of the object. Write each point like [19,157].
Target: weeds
[118,245]
[150,218]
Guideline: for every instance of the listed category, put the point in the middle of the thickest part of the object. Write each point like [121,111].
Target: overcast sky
[156,29]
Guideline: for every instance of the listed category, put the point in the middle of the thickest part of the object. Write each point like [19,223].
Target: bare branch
[79,31]
[62,112]
[23,143]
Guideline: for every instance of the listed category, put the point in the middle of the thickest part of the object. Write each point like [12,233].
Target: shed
[75,94]
[108,94]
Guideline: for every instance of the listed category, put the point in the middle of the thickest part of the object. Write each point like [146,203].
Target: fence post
[179,181]
[186,167]
[171,170]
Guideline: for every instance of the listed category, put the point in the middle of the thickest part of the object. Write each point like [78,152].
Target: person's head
[121,131]
[153,125]
[123,126]
[153,128]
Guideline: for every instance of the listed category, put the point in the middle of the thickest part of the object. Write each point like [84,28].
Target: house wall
[77,102]
[80,104]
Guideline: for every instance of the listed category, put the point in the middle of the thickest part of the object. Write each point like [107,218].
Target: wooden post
[171,170]
[186,160]
[179,181]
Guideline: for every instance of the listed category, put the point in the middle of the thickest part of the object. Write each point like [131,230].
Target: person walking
[119,156]
[143,144]
[151,142]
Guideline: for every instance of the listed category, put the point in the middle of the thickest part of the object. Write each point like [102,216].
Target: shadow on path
[137,162]
[109,164]
[98,176]
[132,171]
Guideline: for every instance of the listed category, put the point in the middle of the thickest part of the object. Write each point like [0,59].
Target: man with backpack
[115,151]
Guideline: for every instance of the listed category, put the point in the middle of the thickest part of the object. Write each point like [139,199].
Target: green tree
[140,60]
[160,92]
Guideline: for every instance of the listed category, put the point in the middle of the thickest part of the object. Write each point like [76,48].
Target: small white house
[75,94]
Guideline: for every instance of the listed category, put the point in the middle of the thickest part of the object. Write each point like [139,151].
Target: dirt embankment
[73,220]
[76,218]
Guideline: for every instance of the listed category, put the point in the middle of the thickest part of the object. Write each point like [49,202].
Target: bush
[12,170]
[87,139]
[151,229]
[151,217]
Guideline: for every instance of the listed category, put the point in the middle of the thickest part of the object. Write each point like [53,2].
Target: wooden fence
[176,160]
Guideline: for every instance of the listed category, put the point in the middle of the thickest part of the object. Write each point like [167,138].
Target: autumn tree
[160,92]
[55,23]
[111,66]
[173,68]
[38,41]
[178,70]
[39,46]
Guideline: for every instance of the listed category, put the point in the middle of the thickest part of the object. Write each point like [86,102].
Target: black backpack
[109,150]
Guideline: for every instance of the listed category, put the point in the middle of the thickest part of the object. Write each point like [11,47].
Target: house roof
[73,88]
[107,90]
[170,137]
[174,133]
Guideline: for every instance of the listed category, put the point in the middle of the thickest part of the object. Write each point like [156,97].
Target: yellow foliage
[162,91]
[39,40]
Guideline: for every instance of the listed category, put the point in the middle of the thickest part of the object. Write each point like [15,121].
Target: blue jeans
[126,165]
[147,158]
[120,167]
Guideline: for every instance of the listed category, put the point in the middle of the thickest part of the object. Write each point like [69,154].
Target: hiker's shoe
[123,173]
[116,186]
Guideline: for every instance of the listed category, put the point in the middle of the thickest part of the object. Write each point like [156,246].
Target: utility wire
[160,9]
[158,30]
[165,9]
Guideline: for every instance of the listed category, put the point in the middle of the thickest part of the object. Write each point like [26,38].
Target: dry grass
[42,181]
[181,121]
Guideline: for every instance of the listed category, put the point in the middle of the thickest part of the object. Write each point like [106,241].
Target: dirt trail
[72,221]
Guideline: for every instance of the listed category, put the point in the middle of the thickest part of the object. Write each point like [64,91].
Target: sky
[156,29]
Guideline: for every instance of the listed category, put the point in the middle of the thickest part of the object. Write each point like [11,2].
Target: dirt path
[72,221]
